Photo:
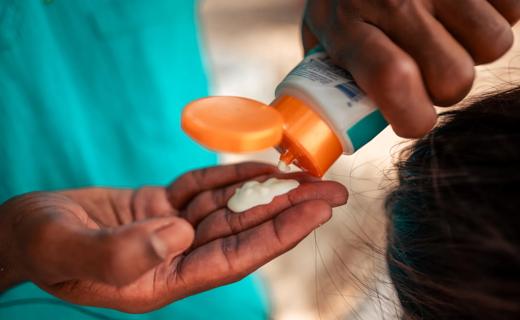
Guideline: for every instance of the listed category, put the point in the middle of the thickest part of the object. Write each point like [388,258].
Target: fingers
[408,54]
[58,247]
[150,202]
[115,207]
[233,257]
[388,75]
[309,40]
[447,69]
[224,222]
[123,255]
[182,190]
[478,26]
[509,9]
[210,200]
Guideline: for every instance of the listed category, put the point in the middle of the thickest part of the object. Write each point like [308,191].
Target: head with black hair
[454,237]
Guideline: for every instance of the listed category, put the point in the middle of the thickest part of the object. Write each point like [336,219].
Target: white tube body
[332,93]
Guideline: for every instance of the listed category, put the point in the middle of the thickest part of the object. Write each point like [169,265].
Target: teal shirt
[91,94]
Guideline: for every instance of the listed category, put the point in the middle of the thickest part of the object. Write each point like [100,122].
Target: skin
[411,54]
[138,250]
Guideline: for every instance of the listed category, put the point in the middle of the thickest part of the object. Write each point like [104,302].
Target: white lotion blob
[254,193]
[284,167]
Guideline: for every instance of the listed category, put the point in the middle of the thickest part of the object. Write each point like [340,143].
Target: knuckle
[235,268]
[229,247]
[453,86]
[191,178]
[501,39]
[396,73]
[183,179]
[200,176]
[396,78]
[512,12]
[318,206]
[221,196]
[199,207]
[505,43]
[234,221]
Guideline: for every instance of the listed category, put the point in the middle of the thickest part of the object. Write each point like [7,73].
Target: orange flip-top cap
[308,140]
[232,124]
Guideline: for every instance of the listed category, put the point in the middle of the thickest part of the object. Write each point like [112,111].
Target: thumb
[68,251]
[126,253]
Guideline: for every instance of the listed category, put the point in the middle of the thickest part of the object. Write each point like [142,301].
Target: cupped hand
[410,54]
[138,250]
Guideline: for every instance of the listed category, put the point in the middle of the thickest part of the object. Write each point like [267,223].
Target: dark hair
[454,237]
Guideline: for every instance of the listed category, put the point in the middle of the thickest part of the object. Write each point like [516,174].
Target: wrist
[9,273]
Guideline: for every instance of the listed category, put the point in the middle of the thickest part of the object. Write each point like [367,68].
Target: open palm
[138,250]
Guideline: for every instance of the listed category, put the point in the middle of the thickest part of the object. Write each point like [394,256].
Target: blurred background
[338,272]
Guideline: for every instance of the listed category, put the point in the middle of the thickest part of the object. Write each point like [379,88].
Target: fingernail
[172,239]
[159,247]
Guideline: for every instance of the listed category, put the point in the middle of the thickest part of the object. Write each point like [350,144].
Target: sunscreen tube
[325,114]
[319,114]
